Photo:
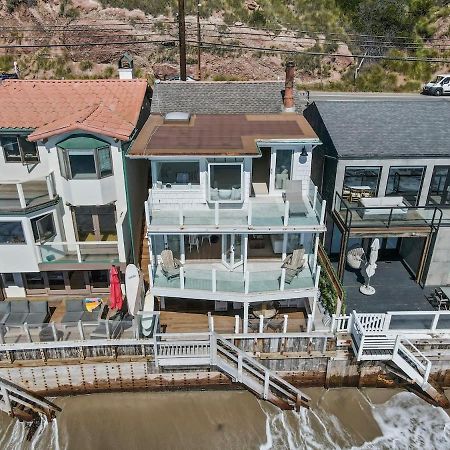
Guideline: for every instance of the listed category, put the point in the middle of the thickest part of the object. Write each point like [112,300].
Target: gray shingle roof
[387,128]
[219,97]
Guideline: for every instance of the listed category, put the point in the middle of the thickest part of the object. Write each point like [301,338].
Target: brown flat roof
[217,135]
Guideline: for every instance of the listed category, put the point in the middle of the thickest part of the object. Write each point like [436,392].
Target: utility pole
[182,39]
[199,43]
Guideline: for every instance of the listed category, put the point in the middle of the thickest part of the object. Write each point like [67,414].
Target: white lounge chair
[294,264]
[170,266]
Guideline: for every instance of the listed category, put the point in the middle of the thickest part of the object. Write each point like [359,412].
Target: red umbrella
[115,292]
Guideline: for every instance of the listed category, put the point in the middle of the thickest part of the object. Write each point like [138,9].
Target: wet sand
[338,419]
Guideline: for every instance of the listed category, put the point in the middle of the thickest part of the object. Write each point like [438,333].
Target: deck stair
[372,342]
[23,404]
[213,350]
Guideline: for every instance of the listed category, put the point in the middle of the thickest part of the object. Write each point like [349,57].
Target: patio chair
[39,313]
[18,314]
[170,266]
[294,195]
[294,264]
[74,311]
[356,257]
[5,309]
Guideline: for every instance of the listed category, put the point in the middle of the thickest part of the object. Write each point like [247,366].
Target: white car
[439,86]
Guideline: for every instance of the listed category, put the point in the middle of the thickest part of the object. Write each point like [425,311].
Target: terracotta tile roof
[50,107]
[221,134]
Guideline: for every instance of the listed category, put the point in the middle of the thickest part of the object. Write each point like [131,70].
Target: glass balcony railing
[303,209]
[386,212]
[78,252]
[213,280]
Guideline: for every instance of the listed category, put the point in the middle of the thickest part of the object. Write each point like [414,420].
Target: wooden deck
[188,316]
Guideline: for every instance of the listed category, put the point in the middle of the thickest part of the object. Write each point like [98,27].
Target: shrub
[86,65]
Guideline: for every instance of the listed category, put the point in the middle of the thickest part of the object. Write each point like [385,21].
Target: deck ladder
[213,350]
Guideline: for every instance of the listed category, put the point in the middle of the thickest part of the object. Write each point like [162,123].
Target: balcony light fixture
[304,152]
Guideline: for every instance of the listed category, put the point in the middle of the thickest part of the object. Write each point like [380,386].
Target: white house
[64,213]
[231,196]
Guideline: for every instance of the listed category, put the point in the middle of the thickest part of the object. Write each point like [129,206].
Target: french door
[232,251]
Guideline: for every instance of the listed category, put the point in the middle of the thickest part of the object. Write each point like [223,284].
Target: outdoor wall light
[304,152]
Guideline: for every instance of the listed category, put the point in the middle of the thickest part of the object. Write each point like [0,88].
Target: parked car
[439,86]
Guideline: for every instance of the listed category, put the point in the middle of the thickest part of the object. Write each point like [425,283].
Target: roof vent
[177,117]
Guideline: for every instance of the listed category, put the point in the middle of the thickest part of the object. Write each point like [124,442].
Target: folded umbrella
[115,291]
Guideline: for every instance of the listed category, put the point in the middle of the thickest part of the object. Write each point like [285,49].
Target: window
[99,279]
[11,233]
[78,164]
[439,192]
[43,228]
[405,182]
[18,149]
[34,280]
[177,173]
[225,181]
[358,177]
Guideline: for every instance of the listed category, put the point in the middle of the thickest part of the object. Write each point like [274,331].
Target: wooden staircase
[211,349]
[24,405]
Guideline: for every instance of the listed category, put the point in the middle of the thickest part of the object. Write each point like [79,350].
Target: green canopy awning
[82,142]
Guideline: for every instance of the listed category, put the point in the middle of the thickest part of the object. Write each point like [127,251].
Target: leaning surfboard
[134,286]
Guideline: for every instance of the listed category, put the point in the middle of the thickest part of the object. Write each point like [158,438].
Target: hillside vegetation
[338,28]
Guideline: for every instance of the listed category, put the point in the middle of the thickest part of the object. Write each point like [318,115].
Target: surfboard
[134,285]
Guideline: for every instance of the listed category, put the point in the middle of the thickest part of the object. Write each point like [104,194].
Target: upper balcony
[27,196]
[389,214]
[301,210]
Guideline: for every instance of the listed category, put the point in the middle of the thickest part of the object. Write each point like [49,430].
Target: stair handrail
[424,365]
[243,356]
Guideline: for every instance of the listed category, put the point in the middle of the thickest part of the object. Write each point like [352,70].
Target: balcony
[27,196]
[210,280]
[264,213]
[71,254]
[389,217]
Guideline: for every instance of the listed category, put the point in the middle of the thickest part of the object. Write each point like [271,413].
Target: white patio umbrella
[367,289]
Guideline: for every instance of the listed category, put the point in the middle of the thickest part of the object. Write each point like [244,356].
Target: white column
[245,248]
[236,324]
[182,249]
[181,277]
[284,247]
[316,246]
[283,279]
[23,203]
[216,214]
[245,324]
[261,323]
[285,323]
[246,281]
[286,213]
[214,280]
[249,214]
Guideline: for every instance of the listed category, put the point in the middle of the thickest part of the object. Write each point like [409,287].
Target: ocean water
[338,419]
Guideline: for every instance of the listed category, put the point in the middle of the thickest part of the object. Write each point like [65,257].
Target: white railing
[402,322]
[340,324]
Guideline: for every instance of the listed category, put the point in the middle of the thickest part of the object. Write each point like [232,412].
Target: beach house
[233,218]
[65,217]
[384,169]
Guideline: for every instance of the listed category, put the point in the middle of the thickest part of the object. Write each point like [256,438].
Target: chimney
[126,67]
[288,98]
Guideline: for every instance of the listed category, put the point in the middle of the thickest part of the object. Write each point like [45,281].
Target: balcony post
[285,323]
[283,279]
[216,214]
[23,203]
[245,324]
[249,214]
[77,245]
[210,322]
[322,212]
[236,324]
[316,248]
[284,247]
[181,277]
[261,324]
[316,281]
[286,213]
[150,275]
[180,215]
[314,198]
[214,280]
[246,281]
[245,252]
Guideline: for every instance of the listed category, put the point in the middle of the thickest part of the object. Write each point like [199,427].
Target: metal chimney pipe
[288,99]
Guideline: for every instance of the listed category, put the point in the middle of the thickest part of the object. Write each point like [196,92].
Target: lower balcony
[210,280]
[64,255]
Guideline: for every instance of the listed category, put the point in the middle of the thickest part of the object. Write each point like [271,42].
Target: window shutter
[62,157]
